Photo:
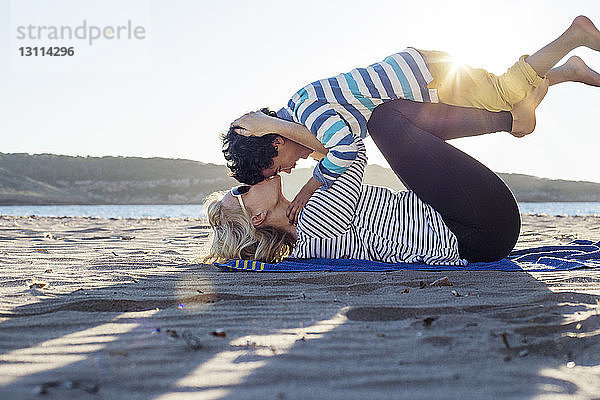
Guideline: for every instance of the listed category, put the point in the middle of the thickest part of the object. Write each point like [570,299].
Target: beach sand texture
[117,309]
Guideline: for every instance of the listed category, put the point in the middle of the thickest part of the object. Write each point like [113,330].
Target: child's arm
[335,139]
[331,130]
[317,156]
[257,123]
[335,135]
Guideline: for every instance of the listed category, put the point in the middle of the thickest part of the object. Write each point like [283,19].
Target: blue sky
[202,64]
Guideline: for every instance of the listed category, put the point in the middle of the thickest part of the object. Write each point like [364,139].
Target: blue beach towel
[577,254]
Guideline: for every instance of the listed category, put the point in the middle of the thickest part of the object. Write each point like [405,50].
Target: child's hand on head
[255,123]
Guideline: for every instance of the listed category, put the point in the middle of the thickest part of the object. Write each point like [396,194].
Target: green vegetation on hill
[55,179]
[524,187]
[531,188]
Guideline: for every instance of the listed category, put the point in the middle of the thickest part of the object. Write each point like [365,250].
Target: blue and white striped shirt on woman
[334,109]
[352,220]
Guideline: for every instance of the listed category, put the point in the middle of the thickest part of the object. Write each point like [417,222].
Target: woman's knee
[495,235]
[381,120]
[494,242]
[504,244]
[511,230]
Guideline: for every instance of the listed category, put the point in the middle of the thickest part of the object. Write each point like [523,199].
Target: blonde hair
[235,237]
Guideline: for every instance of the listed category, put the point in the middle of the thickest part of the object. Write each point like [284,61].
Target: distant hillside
[53,179]
[524,187]
[531,188]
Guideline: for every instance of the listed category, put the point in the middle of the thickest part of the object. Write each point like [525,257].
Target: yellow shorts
[461,85]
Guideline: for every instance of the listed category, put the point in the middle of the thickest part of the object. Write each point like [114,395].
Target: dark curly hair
[248,156]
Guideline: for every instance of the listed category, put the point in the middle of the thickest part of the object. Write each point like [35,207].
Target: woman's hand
[293,211]
[255,123]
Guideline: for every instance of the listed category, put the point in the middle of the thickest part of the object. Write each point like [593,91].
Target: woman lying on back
[455,211]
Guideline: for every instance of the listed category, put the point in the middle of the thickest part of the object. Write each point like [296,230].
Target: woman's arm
[330,213]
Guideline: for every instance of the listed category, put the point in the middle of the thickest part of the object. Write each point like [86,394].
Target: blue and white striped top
[352,220]
[334,109]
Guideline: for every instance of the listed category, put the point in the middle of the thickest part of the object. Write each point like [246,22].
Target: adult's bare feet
[574,70]
[523,113]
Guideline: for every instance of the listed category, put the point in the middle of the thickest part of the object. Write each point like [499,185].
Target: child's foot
[585,33]
[574,70]
[523,112]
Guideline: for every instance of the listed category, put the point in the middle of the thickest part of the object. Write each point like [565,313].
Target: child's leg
[472,87]
[462,85]
[582,32]
[574,70]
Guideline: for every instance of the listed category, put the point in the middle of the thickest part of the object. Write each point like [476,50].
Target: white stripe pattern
[414,85]
[350,99]
[421,63]
[352,220]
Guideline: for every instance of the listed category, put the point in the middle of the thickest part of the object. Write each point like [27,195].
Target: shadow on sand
[202,332]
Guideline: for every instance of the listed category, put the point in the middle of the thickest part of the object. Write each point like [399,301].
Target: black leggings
[474,202]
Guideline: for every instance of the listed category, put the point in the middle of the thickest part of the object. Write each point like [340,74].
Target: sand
[109,309]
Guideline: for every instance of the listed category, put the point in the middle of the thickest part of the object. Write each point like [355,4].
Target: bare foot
[523,112]
[585,33]
[581,72]
[574,70]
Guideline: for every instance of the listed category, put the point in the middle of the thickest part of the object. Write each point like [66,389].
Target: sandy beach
[122,309]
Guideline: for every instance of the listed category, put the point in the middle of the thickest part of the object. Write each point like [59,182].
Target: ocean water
[561,208]
[195,210]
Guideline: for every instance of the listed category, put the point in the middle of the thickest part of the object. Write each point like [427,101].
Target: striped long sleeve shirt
[337,108]
[352,220]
